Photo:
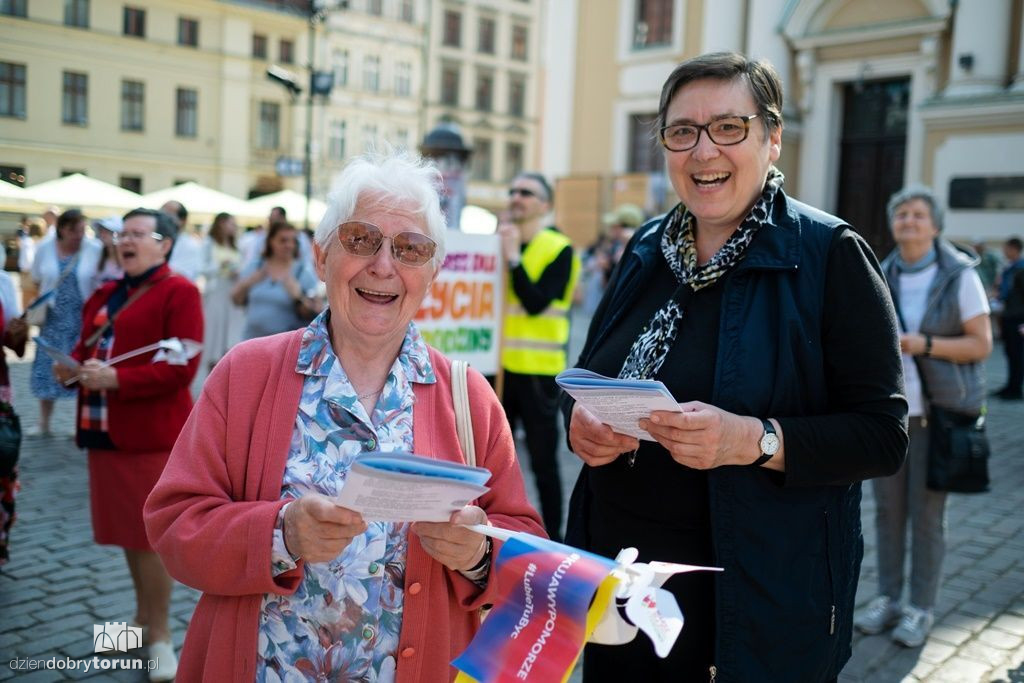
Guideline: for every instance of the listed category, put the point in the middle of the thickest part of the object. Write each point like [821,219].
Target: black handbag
[957,452]
[10,439]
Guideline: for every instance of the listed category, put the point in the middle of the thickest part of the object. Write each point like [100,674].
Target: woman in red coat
[129,414]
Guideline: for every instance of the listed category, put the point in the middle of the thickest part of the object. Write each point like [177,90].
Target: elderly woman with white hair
[295,585]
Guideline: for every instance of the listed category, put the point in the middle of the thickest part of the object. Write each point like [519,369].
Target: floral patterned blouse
[343,622]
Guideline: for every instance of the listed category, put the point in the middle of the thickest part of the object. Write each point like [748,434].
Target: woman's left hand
[912,343]
[451,544]
[703,436]
[96,376]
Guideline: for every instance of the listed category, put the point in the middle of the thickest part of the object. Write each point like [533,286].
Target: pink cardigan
[211,515]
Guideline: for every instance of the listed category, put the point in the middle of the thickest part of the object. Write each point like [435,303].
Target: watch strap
[769,428]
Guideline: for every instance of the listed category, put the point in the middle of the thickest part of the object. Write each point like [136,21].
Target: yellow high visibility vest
[536,344]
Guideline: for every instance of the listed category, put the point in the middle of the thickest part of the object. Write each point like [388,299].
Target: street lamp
[320,83]
[445,146]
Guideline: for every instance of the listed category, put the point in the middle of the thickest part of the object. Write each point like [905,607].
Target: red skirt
[119,483]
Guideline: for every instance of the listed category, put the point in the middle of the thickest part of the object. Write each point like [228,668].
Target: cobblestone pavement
[59,583]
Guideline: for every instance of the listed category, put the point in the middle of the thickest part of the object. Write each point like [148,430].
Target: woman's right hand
[318,530]
[595,442]
[63,373]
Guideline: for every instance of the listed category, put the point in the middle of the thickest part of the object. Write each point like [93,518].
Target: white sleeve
[8,298]
[972,297]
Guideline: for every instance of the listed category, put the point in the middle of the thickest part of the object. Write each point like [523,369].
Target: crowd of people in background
[657,287]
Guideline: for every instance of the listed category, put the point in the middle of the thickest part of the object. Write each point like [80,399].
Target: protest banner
[461,315]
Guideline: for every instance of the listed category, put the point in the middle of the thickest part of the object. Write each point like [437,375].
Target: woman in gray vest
[945,335]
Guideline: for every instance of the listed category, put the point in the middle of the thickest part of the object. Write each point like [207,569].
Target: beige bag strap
[463,416]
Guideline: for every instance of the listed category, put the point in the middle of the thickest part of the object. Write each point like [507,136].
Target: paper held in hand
[619,403]
[401,487]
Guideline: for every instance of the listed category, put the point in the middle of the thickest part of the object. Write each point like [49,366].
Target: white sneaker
[914,627]
[166,661]
[881,614]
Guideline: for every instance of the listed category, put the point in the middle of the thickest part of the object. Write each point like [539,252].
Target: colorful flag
[551,597]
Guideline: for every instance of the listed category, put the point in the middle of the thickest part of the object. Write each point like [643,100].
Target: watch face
[770,444]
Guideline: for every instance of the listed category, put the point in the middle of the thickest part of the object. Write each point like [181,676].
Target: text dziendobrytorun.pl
[91,664]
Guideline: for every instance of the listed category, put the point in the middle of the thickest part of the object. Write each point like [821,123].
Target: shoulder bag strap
[68,269]
[463,416]
[95,336]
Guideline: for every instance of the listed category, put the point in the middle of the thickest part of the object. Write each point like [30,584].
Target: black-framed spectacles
[364,239]
[728,130]
[522,192]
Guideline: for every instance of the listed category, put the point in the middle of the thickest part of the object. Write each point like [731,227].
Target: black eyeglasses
[364,239]
[522,192]
[728,130]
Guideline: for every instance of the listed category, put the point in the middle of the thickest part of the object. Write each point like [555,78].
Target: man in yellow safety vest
[543,269]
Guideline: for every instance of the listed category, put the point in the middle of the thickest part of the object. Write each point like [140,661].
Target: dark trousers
[1013,345]
[533,401]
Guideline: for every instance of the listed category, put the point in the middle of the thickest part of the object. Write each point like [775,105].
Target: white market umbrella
[14,197]
[85,192]
[293,202]
[198,199]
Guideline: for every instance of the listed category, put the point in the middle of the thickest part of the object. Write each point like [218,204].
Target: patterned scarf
[678,245]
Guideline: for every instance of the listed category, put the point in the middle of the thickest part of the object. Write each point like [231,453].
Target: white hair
[389,179]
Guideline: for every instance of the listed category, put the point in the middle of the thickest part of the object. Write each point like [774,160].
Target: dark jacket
[790,543]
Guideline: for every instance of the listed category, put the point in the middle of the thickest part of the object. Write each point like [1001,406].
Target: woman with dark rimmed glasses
[294,585]
[769,322]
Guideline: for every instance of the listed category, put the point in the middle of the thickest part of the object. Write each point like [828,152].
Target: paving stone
[983,652]
[1000,639]
[935,652]
[959,670]
[1010,623]
[950,635]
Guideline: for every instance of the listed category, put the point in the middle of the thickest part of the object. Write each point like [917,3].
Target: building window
[484,90]
[286,52]
[485,36]
[513,160]
[336,140]
[408,11]
[375,7]
[259,46]
[76,13]
[75,101]
[135,22]
[519,40]
[340,59]
[450,85]
[653,25]
[402,138]
[132,183]
[403,79]
[14,8]
[270,125]
[369,137]
[371,73]
[987,193]
[481,159]
[133,96]
[12,90]
[644,149]
[517,95]
[188,32]
[452,28]
[15,175]
[186,113]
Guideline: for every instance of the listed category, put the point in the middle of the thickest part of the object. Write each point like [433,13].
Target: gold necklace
[371,393]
